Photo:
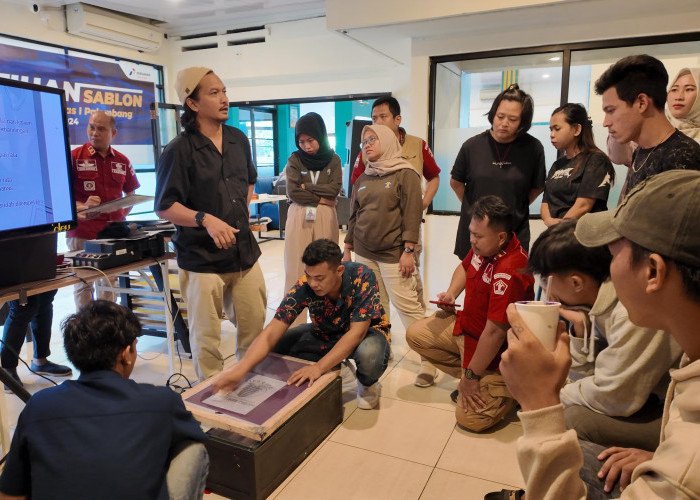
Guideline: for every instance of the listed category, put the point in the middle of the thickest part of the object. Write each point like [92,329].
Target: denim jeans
[187,472]
[371,356]
[589,472]
[39,313]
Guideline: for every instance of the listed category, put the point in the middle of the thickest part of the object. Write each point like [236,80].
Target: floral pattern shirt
[358,301]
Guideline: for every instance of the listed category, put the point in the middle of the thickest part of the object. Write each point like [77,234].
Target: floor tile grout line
[383,454]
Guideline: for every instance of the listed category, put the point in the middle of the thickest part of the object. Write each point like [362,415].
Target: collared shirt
[492,283]
[107,178]
[358,301]
[192,172]
[101,436]
[425,164]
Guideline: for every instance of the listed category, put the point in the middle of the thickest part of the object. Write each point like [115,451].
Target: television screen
[36,192]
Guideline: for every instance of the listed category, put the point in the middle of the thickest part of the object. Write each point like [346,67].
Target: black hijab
[312,125]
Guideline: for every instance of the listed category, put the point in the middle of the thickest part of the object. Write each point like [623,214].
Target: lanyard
[314,178]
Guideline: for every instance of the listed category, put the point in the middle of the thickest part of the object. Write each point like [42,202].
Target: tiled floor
[409,448]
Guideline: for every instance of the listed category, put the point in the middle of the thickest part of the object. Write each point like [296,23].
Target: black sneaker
[50,368]
[13,373]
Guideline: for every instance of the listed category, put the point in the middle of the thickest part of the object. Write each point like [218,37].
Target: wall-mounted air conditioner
[99,24]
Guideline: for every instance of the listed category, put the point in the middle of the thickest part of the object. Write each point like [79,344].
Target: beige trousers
[82,292]
[300,232]
[241,295]
[432,338]
[397,290]
[297,235]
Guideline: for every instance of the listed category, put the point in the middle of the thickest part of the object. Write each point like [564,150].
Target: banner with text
[123,88]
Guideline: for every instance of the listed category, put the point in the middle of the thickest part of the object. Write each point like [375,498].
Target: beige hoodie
[550,456]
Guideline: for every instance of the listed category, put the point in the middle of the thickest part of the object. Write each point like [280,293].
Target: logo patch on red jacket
[86,165]
[119,168]
[500,287]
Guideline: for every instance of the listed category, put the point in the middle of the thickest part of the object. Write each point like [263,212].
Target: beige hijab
[390,160]
[689,124]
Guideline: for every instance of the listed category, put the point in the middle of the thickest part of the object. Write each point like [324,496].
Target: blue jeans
[371,356]
[39,313]
[187,472]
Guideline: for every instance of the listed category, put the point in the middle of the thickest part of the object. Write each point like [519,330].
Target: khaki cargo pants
[432,338]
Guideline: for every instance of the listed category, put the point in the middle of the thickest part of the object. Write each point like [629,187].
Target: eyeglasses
[369,140]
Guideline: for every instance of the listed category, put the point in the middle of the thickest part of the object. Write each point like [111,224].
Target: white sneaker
[368,396]
[426,375]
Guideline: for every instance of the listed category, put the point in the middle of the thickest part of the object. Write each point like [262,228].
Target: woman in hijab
[385,222]
[314,178]
[683,104]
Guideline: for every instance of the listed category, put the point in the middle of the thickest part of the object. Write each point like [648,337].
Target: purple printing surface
[274,367]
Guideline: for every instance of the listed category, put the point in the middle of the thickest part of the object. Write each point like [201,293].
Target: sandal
[505,495]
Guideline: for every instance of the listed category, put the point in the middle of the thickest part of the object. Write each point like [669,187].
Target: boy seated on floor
[103,435]
[653,238]
[468,344]
[618,369]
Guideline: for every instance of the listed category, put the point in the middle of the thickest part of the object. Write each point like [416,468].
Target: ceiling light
[546,75]
[555,58]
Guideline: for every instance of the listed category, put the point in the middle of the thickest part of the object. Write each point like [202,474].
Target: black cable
[169,383]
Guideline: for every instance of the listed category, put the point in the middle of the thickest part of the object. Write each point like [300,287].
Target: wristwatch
[470,375]
[408,250]
[199,218]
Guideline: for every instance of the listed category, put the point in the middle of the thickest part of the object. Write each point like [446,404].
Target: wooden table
[72,276]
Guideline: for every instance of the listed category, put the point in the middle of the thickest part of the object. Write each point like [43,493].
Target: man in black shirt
[634,93]
[504,161]
[205,180]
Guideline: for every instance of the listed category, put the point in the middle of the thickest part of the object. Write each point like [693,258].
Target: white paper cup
[542,318]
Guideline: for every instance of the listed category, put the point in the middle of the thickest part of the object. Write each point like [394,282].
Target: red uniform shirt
[430,168]
[492,284]
[107,178]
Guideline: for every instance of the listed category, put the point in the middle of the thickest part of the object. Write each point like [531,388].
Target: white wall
[301,59]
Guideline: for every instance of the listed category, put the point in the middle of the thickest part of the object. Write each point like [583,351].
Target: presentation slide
[34,173]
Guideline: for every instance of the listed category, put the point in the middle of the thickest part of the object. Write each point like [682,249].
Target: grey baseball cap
[661,214]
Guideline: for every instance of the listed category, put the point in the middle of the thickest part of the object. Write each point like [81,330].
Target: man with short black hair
[654,240]
[347,321]
[204,183]
[634,95]
[619,374]
[467,345]
[103,435]
[387,111]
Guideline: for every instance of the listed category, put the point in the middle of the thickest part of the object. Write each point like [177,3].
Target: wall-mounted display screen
[35,163]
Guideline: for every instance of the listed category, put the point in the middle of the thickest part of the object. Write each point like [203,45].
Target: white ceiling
[186,17]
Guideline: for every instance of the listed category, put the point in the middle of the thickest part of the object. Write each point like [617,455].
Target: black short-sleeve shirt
[509,171]
[191,171]
[591,179]
[677,152]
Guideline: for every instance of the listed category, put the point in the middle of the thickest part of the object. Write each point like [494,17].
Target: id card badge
[310,214]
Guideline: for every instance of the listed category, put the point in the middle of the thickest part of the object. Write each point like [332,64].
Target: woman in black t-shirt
[504,161]
[579,181]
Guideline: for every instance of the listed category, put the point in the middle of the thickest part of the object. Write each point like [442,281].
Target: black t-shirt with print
[592,179]
[678,152]
[509,171]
